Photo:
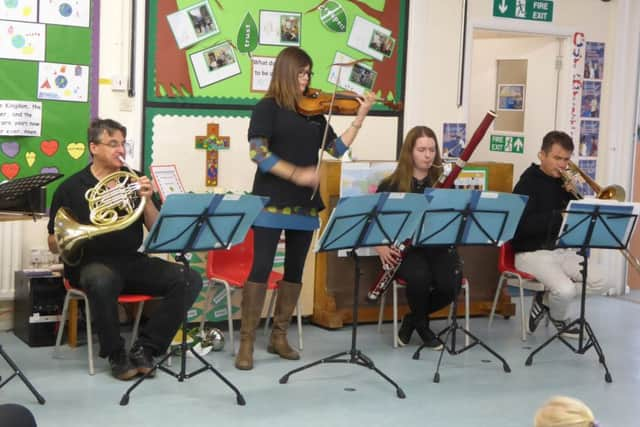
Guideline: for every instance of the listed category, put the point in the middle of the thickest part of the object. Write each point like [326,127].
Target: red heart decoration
[49,147]
[10,170]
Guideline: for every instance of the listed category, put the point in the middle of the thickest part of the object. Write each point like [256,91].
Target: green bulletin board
[61,145]
[176,75]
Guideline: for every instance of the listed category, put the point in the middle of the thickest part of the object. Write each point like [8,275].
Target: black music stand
[486,221]
[11,193]
[362,221]
[18,190]
[589,224]
[18,372]
[198,222]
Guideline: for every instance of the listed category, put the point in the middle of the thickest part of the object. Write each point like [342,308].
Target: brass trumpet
[610,192]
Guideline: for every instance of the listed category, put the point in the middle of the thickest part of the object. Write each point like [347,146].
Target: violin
[315,102]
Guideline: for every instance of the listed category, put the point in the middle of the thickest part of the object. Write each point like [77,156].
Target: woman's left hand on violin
[366,102]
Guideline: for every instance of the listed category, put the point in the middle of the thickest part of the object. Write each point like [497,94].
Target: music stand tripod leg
[182,374]
[355,356]
[450,331]
[17,372]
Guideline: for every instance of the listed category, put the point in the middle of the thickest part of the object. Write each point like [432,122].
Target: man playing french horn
[94,227]
[557,269]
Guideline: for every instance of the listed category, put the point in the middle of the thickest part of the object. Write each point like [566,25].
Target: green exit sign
[507,143]
[532,10]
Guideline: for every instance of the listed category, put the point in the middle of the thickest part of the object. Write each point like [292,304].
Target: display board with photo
[356,77]
[280,28]
[591,92]
[215,64]
[193,24]
[257,31]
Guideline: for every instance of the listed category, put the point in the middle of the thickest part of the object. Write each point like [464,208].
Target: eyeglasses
[303,73]
[114,144]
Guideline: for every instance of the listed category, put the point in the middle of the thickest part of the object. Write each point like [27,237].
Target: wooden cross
[212,142]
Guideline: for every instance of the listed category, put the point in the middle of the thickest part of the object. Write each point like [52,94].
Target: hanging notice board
[221,51]
[49,86]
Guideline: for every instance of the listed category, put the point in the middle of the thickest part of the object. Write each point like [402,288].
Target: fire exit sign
[532,10]
[507,143]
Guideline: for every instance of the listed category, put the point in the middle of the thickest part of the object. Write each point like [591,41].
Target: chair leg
[87,310]
[227,289]
[299,315]
[271,310]
[522,311]
[63,321]
[467,309]
[495,299]
[383,299]
[395,315]
[136,323]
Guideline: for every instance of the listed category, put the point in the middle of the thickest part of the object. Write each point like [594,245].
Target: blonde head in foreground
[563,411]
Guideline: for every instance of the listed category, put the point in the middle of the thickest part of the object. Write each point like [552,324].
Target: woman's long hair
[400,179]
[284,88]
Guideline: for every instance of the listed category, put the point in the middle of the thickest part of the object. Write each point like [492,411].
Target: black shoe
[573,332]
[406,330]
[429,339]
[121,367]
[142,359]
[537,313]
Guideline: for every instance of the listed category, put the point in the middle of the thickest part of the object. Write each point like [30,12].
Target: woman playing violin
[284,144]
[433,274]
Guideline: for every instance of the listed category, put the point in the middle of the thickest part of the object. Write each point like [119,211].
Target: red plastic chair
[231,268]
[508,270]
[399,283]
[77,294]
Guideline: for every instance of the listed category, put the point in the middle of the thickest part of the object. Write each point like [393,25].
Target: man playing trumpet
[558,269]
[109,262]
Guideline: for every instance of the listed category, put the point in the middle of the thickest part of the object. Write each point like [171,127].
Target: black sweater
[541,219]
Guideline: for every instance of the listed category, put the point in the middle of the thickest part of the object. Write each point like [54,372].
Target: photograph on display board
[589,130]
[591,92]
[370,39]
[593,60]
[215,64]
[511,97]
[191,25]
[363,75]
[454,136]
[280,28]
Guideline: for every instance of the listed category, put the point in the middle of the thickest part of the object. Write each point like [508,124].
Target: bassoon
[389,271]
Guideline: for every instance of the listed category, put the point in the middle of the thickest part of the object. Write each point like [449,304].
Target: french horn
[114,204]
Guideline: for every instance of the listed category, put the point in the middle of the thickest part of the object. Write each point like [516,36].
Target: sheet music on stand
[615,232]
[16,187]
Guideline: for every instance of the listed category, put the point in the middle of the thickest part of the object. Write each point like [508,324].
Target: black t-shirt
[70,195]
[294,138]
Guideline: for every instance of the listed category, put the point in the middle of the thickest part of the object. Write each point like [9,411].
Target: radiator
[11,242]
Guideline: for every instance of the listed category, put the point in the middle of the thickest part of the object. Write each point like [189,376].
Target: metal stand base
[356,357]
[182,375]
[17,372]
[450,331]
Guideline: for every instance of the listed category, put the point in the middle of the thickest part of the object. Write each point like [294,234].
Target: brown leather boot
[251,307]
[288,294]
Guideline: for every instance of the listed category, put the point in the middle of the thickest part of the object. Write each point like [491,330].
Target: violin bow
[333,97]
